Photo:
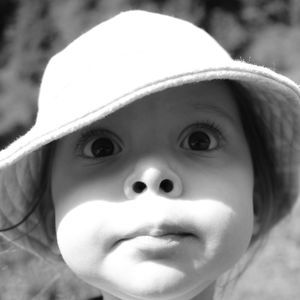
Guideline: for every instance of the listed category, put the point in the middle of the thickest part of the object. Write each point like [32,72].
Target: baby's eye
[99,146]
[203,137]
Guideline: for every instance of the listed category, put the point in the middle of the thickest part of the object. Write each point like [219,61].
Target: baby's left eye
[201,139]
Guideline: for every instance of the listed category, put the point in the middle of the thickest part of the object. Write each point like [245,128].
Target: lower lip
[159,246]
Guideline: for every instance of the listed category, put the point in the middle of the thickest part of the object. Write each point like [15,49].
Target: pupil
[102,147]
[199,141]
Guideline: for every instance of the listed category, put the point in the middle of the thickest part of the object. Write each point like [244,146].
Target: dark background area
[265,32]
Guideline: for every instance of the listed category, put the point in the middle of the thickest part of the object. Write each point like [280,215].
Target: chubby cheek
[70,191]
[227,235]
[84,237]
[223,199]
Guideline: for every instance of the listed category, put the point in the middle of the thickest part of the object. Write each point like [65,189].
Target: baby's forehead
[175,107]
[170,111]
[201,98]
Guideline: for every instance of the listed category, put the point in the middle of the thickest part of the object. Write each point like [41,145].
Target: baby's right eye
[99,145]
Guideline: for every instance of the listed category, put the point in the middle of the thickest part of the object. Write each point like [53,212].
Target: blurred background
[265,32]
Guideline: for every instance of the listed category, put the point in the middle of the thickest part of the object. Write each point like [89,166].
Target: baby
[155,161]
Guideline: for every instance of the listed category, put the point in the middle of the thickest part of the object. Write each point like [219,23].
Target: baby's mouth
[158,244]
[158,235]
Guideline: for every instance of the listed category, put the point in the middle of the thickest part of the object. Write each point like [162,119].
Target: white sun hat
[130,56]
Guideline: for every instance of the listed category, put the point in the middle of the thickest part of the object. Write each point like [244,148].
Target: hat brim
[280,89]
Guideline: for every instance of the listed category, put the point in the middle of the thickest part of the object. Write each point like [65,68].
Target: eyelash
[207,124]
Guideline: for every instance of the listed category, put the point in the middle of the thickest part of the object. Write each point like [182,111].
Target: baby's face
[155,201]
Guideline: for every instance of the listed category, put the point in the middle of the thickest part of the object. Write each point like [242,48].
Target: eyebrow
[215,110]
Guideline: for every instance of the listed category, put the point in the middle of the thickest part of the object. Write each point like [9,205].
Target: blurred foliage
[32,31]
[262,31]
[37,279]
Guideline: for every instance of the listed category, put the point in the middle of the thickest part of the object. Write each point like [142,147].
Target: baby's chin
[153,281]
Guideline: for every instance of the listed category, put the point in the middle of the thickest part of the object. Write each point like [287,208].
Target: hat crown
[119,56]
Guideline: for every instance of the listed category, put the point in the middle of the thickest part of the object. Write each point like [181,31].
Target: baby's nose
[156,177]
[165,186]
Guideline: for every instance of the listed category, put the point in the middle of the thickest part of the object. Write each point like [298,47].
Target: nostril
[166,185]
[139,187]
